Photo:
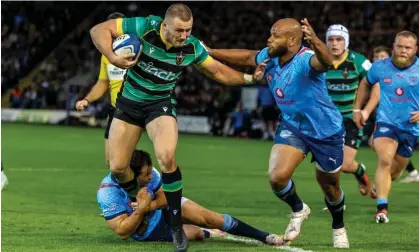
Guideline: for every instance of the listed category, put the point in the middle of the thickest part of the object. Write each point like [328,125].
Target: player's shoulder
[108,182]
[304,51]
[194,40]
[154,21]
[353,55]
[382,63]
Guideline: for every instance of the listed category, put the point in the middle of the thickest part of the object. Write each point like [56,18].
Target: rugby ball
[127,43]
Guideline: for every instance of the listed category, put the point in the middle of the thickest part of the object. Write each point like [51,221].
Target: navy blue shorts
[407,142]
[162,232]
[327,153]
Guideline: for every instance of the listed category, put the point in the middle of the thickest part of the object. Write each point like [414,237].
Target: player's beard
[277,52]
[402,62]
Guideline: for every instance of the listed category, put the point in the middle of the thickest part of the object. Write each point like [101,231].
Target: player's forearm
[361,95]
[238,57]
[374,99]
[131,223]
[322,53]
[102,39]
[157,204]
[98,90]
[228,76]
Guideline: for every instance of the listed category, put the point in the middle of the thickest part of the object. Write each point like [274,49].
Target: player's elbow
[94,31]
[123,235]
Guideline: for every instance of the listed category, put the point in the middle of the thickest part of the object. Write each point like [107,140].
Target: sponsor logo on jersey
[162,74]
[387,80]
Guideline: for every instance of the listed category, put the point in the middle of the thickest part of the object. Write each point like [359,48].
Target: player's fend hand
[260,71]
[124,61]
[415,117]
[82,104]
[358,118]
[309,34]
[143,199]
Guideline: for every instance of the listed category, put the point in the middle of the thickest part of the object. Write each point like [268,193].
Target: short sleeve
[202,55]
[363,65]
[261,56]
[155,183]
[103,73]
[111,201]
[304,57]
[372,74]
[136,25]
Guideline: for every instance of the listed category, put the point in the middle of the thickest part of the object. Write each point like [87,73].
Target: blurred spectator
[269,111]
[240,121]
[26,26]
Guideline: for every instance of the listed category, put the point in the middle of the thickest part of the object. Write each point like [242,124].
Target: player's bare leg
[283,161]
[350,165]
[123,138]
[200,216]
[386,150]
[335,202]
[163,132]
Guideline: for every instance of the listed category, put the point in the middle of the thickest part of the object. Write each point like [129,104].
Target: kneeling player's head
[285,34]
[404,49]
[380,52]
[142,166]
[177,24]
[337,39]
[115,15]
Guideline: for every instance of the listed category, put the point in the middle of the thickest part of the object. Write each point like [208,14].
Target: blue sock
[336,209]
[382,203]
[289,196]
[236,227]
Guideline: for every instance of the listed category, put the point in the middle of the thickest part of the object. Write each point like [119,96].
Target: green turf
[54,172]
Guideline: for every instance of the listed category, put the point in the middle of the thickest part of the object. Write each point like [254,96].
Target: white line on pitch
[254,242]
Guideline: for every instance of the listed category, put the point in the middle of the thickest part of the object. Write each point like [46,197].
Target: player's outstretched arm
[125,225]
[322,58]
[102,36]
[98,90]
[237,57]
[228,76]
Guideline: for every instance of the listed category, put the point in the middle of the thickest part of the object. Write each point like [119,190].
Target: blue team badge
[413,80]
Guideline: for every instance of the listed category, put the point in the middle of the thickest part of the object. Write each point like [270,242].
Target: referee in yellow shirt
[110,77]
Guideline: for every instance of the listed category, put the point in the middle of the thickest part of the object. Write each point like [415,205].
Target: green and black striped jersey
[343,80]
[155,75]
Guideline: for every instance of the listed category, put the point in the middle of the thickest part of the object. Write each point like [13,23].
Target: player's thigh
[107,152]
[197,215]
[163,132]
[283,161]
[123,138]
[386,149]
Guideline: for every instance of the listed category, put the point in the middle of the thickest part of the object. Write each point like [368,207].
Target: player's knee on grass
[194,233]
[166,160]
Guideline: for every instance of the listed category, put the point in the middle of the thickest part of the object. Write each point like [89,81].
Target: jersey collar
[288,61]
[336,63]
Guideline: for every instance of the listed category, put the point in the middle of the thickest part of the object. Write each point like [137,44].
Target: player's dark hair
[407,34]
[180,11]
[115,15]
[382,48]
[139,160]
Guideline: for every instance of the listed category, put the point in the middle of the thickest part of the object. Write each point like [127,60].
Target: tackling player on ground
[110,77]
[147,102]
[397,122]
[310,120]
[144,217]
[349,68]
